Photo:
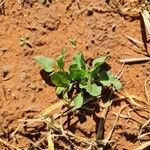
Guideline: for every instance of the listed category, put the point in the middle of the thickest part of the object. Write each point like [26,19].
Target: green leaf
[78,60]
[95,72]
[99,61]
[60,59]
[83,83]
[67,90]
[92,89]
[116,83]
[77,68]
[59,90]
[78,101]
[46,63]
[96,64]
[60,79]
[75,73]
[107,79]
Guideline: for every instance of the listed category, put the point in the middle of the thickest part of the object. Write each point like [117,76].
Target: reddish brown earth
[23,93]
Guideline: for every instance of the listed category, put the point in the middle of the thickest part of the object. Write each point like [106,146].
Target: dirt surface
[99,30]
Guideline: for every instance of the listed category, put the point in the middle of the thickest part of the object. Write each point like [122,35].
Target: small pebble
[113,27]
[24,87]
[39,89]
[39,42]
[18,88]
[23,76]
[89,12]
[33,86]
[33,98]
[14,96]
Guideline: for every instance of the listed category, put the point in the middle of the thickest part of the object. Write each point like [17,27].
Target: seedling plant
[80,79]
[25,41]
[73,42]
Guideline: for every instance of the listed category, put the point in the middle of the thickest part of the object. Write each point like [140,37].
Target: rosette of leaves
[79,76]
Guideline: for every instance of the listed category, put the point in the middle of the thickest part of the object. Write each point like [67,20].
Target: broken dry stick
[143,146]
[135,60]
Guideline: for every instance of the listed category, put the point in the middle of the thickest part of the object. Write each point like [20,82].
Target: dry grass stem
[10,146]
[143,135]
[120,73]
[133,40]
[100,130]
[117,117]
[146,18]
[146,91]
[143,146]
[135,60]
[144,125]
[35,144]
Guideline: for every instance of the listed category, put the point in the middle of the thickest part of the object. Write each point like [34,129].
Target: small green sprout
[73,42]
[25,41]
[82,79]
[43,1]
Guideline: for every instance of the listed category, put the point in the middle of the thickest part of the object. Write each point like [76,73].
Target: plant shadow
[91,109]
[130,137]
[46,77]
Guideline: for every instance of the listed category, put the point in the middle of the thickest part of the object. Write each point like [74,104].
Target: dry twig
[135,60]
